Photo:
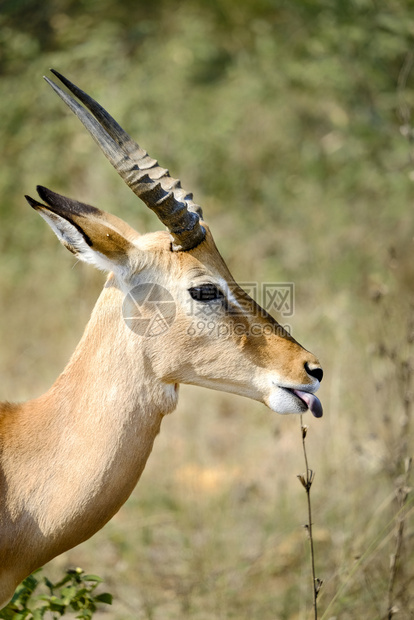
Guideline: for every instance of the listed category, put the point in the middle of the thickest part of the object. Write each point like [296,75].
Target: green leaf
[6,613]
[94,578]
[62,582]
[105,597]
[20,615]
[57,604]
[68,593]
[80,593]
[85,614]
[48,583]
[30,583]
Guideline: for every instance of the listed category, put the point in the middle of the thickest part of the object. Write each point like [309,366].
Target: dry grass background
[292,123]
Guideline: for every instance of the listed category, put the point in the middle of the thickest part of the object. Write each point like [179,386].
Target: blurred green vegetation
[37,597]
[292,124]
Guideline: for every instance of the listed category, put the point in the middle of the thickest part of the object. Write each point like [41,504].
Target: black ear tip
[33,203]
[44,193]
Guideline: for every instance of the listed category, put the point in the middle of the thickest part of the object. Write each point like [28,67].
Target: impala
[70,458]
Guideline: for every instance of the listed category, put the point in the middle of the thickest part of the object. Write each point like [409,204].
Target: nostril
[315,372]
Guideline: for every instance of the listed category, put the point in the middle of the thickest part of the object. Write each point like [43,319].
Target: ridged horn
[153,184]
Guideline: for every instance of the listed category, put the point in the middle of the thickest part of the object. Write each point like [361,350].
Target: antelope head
[170,313]
[212,333]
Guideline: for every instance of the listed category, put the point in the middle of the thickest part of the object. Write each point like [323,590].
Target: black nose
[316,372]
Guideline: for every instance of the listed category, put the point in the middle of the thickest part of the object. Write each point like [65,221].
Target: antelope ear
[90,234]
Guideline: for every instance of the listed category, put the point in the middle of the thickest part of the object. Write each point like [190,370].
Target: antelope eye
[206,293]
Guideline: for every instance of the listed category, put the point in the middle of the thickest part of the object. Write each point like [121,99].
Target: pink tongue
[313,403]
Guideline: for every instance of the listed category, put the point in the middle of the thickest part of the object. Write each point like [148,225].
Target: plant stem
[306,481]
[402,494]
[403,461]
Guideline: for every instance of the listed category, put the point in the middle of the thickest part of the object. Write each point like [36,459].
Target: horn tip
[56,73]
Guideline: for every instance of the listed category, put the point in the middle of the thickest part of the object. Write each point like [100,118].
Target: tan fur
[71,458]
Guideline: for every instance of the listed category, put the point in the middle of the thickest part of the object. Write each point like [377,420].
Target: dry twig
[307,480]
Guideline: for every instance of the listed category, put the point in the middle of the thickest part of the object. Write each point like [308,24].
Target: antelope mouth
[311,401]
